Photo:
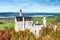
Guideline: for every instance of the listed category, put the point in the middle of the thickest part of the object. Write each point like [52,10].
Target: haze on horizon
[30,6]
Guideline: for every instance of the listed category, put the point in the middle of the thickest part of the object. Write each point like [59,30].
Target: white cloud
[27,7]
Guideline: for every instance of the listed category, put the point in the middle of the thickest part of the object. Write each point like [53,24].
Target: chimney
[21,13]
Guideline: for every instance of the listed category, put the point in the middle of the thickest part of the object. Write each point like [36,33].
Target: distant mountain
[14,14]
[9,14]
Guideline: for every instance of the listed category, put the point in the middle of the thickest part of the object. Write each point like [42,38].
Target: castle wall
[28,25]
[18,26]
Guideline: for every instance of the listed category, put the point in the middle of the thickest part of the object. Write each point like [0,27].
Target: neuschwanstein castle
[24,22]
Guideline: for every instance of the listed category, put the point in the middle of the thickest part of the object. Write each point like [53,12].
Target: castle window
[19,18]
[28,18]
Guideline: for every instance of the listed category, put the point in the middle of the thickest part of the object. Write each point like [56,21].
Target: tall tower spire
[21,13]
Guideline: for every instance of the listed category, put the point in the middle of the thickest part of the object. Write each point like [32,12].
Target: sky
[30,6]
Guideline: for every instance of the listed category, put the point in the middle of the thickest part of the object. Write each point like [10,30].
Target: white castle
[24,22]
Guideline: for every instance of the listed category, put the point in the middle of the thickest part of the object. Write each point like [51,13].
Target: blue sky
[30,5]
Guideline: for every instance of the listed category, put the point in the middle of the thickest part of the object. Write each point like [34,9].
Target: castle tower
[19,22]
[22,22]
[44,21]
[21,13]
